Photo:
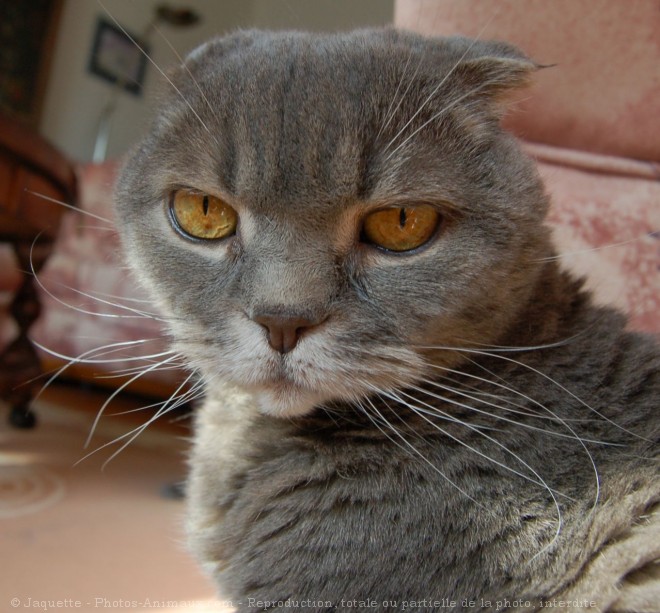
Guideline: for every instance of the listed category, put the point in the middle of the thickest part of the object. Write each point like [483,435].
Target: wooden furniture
[28,166]
[27,38]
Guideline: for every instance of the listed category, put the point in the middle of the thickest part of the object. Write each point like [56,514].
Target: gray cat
[409,406]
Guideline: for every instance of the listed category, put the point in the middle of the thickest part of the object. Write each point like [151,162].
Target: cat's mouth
[310,375]
[281,388]
[286,398]
[280,382]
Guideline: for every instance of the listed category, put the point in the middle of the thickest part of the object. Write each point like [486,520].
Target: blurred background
[74,96]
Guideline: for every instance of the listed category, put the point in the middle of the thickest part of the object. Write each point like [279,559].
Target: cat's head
[314,213]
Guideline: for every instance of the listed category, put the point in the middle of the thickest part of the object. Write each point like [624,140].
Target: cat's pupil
[402,218]
[205,204]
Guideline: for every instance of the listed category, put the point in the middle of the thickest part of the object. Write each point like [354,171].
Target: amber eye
[202,216]
[401,228]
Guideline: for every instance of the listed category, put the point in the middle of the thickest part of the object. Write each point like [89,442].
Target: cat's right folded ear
[493,69]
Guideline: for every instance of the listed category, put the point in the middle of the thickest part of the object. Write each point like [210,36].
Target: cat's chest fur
[337,510]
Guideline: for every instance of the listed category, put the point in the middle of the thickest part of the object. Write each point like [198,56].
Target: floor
[88,535]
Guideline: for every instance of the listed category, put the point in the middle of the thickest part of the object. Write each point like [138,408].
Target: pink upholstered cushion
[603,95]
[87,263]
[605,216]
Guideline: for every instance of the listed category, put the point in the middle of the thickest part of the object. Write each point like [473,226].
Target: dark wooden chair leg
[19,360]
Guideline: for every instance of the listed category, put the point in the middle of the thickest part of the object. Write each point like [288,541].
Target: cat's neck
[558,309]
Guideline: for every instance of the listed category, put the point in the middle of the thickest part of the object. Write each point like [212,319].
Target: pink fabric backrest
[603,93]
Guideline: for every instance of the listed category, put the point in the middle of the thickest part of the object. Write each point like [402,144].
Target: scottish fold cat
[409,405]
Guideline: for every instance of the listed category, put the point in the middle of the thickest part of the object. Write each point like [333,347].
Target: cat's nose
[284,331]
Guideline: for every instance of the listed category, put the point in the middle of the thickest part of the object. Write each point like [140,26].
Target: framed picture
[116,58]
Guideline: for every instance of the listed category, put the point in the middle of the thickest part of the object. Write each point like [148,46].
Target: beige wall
[75,99]
[321,15]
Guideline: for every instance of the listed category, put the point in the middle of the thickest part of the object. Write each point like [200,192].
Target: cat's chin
[286,401]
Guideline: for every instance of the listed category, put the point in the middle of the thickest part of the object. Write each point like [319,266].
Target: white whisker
[57,372]
[96,228]
[391,112]
[70,206]
[127,372]
[417,452]
[139,312]
[169,405]
[95,293]
[565,254]
[119,390]
[86,360]
[76,308]
[185,66]
[432,410]
[501,417]
[434,117]
[546,377]
[563,422]
[539,480]
[435,91]
[505,349]
[158,68]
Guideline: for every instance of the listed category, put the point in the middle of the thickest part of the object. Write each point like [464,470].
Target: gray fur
[299,488]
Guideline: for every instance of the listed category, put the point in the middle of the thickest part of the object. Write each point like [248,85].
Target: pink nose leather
[284,331]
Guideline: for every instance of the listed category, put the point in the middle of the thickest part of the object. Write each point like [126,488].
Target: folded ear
[495,68]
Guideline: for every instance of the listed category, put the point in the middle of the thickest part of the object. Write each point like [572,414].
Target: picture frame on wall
[118,59]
